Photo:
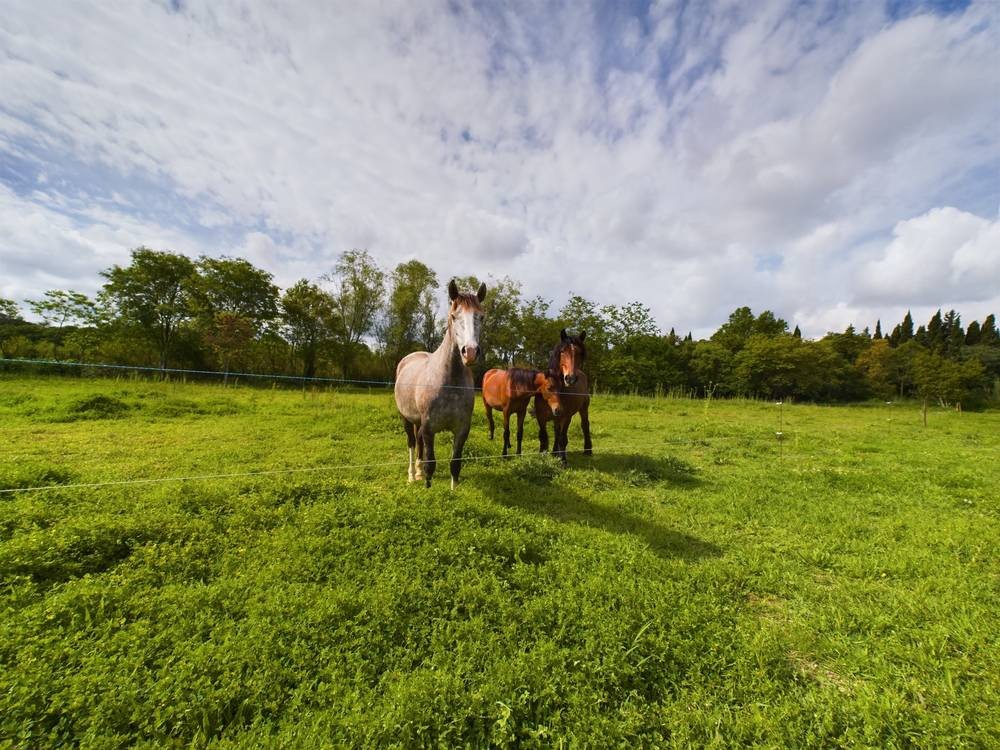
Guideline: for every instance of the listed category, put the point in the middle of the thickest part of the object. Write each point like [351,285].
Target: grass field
[694,583]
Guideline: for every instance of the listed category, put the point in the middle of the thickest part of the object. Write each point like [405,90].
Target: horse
[565,363]
[436,392]
[510,391]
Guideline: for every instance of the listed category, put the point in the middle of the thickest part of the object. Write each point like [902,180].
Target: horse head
[465,321]
[548,388]
[568,357]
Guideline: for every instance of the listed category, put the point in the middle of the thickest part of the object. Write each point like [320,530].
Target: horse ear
[583,335]
[562,334]
[482,292]
[452,290]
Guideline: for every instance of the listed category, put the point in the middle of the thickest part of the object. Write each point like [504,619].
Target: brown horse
[510,391]
[565,367]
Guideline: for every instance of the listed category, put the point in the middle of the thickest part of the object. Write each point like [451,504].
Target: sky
[834,162]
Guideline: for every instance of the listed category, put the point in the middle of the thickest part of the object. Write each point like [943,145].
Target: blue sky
[834,162]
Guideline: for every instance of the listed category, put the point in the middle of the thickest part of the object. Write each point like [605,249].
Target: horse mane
[523,378]
[466,300]
[571,341]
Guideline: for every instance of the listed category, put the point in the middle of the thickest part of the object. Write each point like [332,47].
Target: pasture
[694,583]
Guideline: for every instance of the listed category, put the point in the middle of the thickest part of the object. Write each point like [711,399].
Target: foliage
[358,290]
[154,293]
[310,322]
[224,313]
[58,307]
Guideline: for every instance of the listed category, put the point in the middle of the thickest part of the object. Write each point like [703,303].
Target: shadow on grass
[637,469]
[534,491]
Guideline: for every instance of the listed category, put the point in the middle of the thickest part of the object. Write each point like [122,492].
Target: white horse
[436,392]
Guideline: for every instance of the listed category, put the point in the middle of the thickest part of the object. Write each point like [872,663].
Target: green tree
[358,293]
[9,313]
[874,364]
[409,312]
[972,335]
[309,322]
[711,367]
[58,307]
[625,322]
[228,335]
[988,335]
[538,332]
[935,332]
[942,380]
[236,287]
[153,293]
[906,328]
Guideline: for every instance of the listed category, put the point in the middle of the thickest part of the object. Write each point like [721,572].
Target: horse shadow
[534,491]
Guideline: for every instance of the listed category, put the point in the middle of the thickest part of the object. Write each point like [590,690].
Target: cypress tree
[797,333]
[988,335]
[972,335]
[896,336]
[954,336]
[935,332]
[906,330]
[878,329]
[921,336]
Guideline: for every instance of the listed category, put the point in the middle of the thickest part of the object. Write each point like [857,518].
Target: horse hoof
[588,452]
[453,483]
[427,483]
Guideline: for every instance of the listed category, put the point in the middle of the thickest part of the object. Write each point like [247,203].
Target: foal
[573,395]
[510,391]
[436,392]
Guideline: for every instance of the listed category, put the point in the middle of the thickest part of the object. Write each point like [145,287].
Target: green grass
[695,583]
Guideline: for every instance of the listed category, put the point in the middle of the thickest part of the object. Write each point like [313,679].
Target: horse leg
[506,429]
[411,442]
[588,447]
[489,418]
[543,431]
[562,439]
[427,438]
[520,427]
[418,466]
[456,454]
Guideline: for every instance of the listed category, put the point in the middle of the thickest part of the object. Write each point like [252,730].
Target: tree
[625,322]
[229,334]
[736,332]
[944,380]
[358,292]
[410,310]
[538,332]
[711,366]
[236,287]
[154,293]
[972,335]
[309,322]
[58,307]
[988,335]
[797,333]
[874,364]
[906,328]
[878,329]
[8,311]
[935,332]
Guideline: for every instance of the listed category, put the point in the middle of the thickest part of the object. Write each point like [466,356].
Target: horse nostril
[463,351]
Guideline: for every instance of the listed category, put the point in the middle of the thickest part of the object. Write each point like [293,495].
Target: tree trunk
[924,411]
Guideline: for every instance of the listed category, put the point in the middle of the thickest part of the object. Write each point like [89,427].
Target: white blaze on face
[466,325]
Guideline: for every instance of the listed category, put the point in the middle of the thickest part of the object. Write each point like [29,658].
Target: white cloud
[943,255]
[734,154]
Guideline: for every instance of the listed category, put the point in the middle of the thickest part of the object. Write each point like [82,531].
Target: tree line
[165,309]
